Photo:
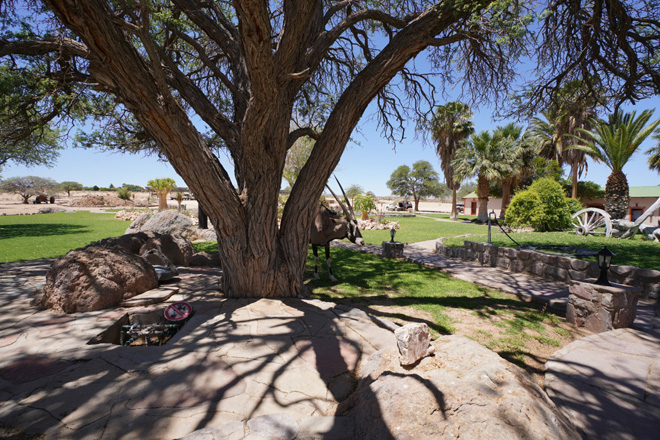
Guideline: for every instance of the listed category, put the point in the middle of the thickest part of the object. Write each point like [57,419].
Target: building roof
[635,191]
[645,191]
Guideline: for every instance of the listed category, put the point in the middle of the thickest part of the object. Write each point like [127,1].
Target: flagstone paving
[266,367]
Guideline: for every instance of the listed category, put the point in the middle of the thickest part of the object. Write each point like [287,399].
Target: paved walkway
[277,368]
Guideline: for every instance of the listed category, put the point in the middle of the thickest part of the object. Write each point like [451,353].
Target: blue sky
[368,164]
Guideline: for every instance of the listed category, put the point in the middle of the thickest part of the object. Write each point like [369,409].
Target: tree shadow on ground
[40,230]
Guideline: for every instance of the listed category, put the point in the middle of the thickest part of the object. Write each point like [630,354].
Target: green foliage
[353,191]
[28,186]
[162,184]
[421,181]
[131,187]
[364,203]
[124,194]
[585,190]
[69,186]
[543,206]
[296,158]
[522,211]
[95,188]
[574,205]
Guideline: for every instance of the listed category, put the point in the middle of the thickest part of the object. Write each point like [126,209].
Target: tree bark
[506,195]
[574,193]
[454,212]
[258,259]
[483,191]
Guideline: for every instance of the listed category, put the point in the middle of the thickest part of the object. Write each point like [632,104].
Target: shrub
[574,205]
[523,210]
[547,209]
[124,194]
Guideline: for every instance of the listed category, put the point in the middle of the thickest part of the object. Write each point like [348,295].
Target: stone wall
[554,267]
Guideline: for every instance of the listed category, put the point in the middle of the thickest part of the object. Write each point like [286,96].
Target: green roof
[635,191]
[645,191]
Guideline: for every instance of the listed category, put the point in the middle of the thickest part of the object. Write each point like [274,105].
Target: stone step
[153,296]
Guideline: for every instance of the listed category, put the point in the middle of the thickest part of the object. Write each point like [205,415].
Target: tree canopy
[187,77]
[28,186]
[420,181]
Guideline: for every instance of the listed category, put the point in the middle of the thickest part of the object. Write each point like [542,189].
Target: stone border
[553,267]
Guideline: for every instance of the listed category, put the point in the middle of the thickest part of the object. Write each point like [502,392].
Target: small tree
[179,200]
[162,188]
[421,181]
[296,158]
[364,204]
[28,186]
[124,194]
[353,191]
[70,186]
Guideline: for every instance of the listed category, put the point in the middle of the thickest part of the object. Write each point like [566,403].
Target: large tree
[28,186]
[450,127]
[156,70]
[420,181]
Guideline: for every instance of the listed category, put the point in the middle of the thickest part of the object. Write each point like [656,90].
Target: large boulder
[131,242]
[96,277]
[171,222]
[176,248]
[463,391]
[167,221]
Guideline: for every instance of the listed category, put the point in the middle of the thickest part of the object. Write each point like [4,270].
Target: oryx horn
[343,207]
[345,197]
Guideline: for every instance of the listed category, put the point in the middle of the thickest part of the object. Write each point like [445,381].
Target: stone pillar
[392,249]
[601,308]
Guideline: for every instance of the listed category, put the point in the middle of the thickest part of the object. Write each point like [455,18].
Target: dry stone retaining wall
[554,267]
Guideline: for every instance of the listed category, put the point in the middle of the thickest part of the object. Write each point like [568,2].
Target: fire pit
[153,328]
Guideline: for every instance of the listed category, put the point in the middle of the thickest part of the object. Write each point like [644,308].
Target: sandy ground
[12,204]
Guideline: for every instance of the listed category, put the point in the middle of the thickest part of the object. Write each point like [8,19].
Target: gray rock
[168,221]
[464,391]
[414,342]
[207,259]
[281,426]
[96,277]
[138,223]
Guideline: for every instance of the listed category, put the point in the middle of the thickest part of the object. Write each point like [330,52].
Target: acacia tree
[245,70]
[69,186]
[421,181]
[28,186]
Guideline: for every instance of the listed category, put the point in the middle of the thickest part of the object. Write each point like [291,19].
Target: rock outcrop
[170,222]
[463,391]
[96,277]
[176,248]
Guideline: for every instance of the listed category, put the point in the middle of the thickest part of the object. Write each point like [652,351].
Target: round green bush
[544,206]
[523,210]
[574,205]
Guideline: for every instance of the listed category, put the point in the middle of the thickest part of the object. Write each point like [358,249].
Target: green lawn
[415,229]
[637,252]
[407,292]
[31,237]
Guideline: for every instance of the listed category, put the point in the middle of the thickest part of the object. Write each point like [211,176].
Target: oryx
[328,226]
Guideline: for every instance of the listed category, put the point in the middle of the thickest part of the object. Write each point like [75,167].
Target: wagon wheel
[588,220]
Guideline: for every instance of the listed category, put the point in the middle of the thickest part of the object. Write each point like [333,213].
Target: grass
[461,217]
[414,229]
[407,292]
[633,252]
[32,237]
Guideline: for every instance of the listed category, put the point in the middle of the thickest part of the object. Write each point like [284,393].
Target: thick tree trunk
[506,195]
[617,195]
[483,191]
[574,193]
[454,212]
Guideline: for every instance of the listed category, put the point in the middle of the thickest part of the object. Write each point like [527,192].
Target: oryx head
[353,232]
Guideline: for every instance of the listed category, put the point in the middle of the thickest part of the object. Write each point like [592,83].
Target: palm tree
[613,143]
[450,127]
[572,112]
[654,154]
[511,137]
[489,157]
